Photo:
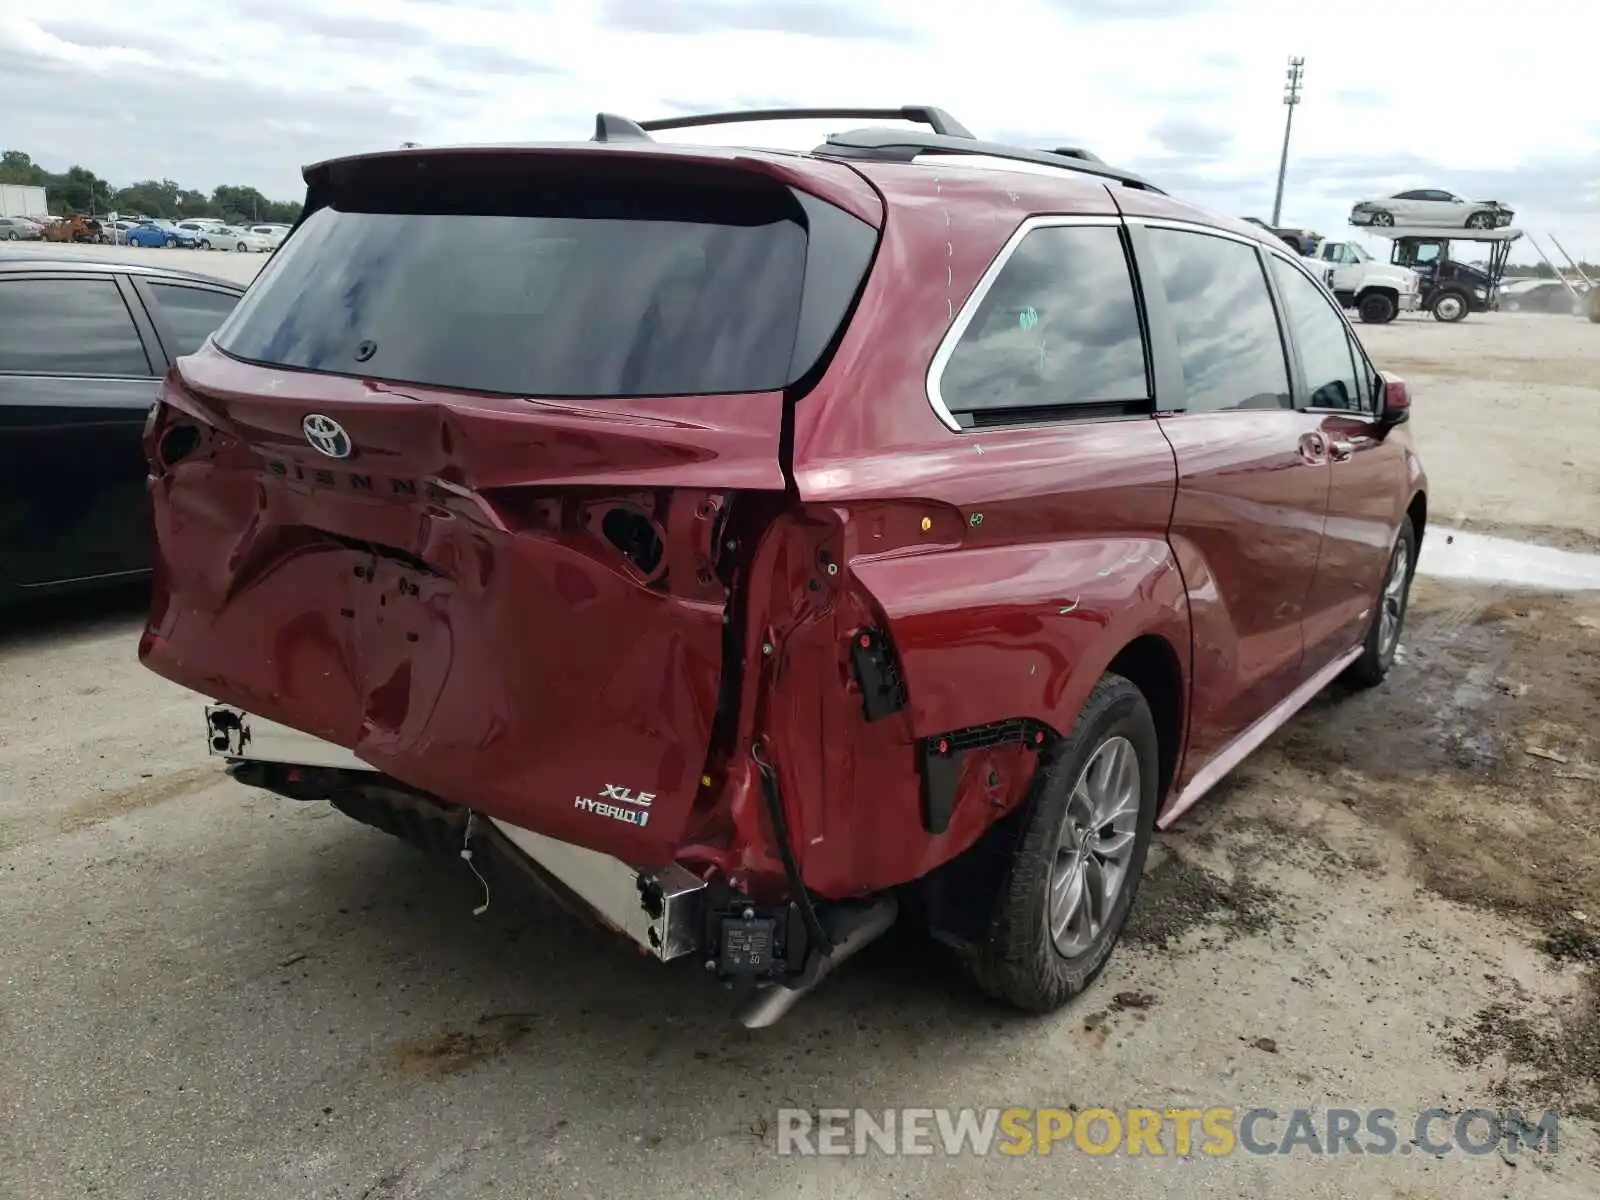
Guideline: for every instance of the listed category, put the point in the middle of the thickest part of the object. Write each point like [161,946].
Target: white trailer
[22,200]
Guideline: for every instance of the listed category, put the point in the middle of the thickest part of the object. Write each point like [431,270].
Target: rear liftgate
[367,590]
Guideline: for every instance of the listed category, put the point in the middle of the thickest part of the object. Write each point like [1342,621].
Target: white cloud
[1186,91]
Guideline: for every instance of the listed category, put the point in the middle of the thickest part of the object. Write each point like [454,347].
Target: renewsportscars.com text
[1159,1132]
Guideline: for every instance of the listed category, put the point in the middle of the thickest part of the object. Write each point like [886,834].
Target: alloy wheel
[1096,846]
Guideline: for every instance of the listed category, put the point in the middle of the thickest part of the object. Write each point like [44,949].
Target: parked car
[273,235]
[231,237]
[75,228]
[83,344]
[1542,296]
[161,232]
[16,229]
[1301,241]
[1434,208]
[200,227]
[934,610]
[151,235]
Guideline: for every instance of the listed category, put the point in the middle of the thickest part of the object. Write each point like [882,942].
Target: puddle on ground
[1455,554]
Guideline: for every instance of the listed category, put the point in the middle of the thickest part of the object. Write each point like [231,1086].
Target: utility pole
[1291,97]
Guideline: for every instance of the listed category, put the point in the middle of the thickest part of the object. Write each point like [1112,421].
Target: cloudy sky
[1398,93]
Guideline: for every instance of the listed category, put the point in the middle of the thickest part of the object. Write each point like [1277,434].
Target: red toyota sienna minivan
[757,547]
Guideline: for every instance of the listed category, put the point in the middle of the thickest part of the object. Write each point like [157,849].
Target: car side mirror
[1394,400]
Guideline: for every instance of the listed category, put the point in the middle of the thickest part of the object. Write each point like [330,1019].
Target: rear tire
[1389,614]
[1037,955]
[1376,308]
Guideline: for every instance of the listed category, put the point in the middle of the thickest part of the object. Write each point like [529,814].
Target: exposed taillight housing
[170,435]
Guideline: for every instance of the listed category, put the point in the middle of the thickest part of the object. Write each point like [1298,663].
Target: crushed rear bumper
[660,909]
[668,912]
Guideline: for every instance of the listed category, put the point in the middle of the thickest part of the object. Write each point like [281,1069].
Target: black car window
[191,314]
[1326,354]
[1228,337]
[1058,329]
[68,327]
[559,287]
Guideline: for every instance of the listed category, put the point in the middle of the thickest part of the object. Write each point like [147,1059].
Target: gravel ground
[206,991]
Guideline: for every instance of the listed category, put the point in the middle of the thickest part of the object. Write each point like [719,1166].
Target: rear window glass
[573,290]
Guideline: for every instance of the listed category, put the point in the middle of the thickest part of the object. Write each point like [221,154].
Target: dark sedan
[83,345]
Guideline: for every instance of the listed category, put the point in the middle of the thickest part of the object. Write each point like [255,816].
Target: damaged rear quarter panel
[1044,553]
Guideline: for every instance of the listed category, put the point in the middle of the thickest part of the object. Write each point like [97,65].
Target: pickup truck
[1378,291]
[1301,241]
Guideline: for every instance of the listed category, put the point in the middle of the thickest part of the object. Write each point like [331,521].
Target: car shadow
[527,987]
[49,619]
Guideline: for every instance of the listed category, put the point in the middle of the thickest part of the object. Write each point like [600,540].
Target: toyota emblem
[326,436]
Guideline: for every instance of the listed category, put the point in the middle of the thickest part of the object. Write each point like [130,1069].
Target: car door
[1409,208]
[1336,385]
[1246,525]
[78,374]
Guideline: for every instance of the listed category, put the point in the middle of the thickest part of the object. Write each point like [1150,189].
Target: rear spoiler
[834,182]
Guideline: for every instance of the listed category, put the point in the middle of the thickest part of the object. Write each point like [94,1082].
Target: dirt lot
[224,264]
[206,991]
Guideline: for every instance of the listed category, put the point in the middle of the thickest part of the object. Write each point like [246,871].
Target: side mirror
[1394,400]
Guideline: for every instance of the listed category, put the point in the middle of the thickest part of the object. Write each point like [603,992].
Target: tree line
[80,190]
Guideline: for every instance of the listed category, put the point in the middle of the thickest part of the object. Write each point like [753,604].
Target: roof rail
[948,136]
[937,119]
[904,145]
[608,127]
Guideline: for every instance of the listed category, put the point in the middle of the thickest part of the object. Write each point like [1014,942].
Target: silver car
[1434,208]
[15,229]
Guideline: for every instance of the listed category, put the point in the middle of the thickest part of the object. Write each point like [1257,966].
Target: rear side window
[68,327]
[1058,333]
[560,288]
[1228,338]
[190,314]
[1326,354]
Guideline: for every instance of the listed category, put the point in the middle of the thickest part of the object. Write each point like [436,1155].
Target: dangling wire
[466,854]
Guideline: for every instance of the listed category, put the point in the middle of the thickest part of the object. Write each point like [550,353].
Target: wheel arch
[954,901]
[1150,662]
[1417,510]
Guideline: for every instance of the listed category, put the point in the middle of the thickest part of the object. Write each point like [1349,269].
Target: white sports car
[1431,207]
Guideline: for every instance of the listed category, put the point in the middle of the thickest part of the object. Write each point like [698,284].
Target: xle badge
[618,803]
